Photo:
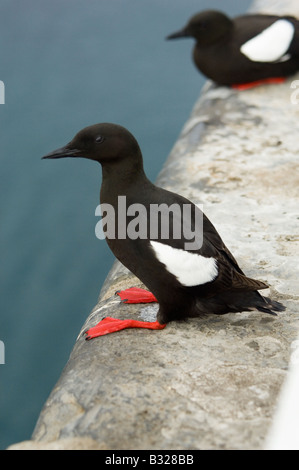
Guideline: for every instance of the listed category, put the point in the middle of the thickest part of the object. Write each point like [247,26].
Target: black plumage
[223,288]
[226,53]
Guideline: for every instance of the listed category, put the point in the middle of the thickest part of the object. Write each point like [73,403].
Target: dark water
[67,64]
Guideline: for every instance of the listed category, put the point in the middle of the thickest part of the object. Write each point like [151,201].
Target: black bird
[247,50]
[180,256]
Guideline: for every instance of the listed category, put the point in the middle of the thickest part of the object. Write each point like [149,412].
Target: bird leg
[108,325]
[266,81]
[111,325]
[135,295]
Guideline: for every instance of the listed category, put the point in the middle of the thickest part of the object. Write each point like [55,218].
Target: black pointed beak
[63,152]
[178,34]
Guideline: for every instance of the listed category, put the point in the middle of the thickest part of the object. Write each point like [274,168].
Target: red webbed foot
[266,81]
[111,325]
[135,295]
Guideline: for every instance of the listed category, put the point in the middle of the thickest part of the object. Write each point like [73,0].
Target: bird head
[206,27]
[103,143]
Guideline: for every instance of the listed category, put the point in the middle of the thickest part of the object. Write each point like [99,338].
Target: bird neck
[121,177]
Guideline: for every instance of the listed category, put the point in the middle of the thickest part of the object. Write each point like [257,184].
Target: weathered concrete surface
[208,383]
[284,433]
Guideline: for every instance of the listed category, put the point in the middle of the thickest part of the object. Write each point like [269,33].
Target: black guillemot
[186,281]
[245,51]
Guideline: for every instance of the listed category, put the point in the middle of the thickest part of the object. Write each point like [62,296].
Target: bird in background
[246,51]
[185,282]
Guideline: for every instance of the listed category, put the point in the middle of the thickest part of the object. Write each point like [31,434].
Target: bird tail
[254,299]
[270,306]
[238,301]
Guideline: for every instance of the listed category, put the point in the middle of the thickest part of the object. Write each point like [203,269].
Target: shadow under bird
[245,51]
[185,282]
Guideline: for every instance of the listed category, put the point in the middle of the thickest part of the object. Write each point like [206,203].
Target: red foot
[135,295]
[266,81]
[111,325]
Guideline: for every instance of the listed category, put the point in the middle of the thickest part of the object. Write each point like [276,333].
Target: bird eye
[99,139]
[203,25]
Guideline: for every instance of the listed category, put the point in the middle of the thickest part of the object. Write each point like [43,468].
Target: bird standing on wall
[186,280]
[245,51]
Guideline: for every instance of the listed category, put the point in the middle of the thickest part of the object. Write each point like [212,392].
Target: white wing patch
[190,269]
[270,45]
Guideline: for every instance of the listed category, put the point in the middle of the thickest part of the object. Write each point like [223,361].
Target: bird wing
[202,264]
[294,48]
[272,44]
[266,38]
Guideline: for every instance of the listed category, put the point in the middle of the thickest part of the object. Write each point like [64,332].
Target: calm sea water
[67,64]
